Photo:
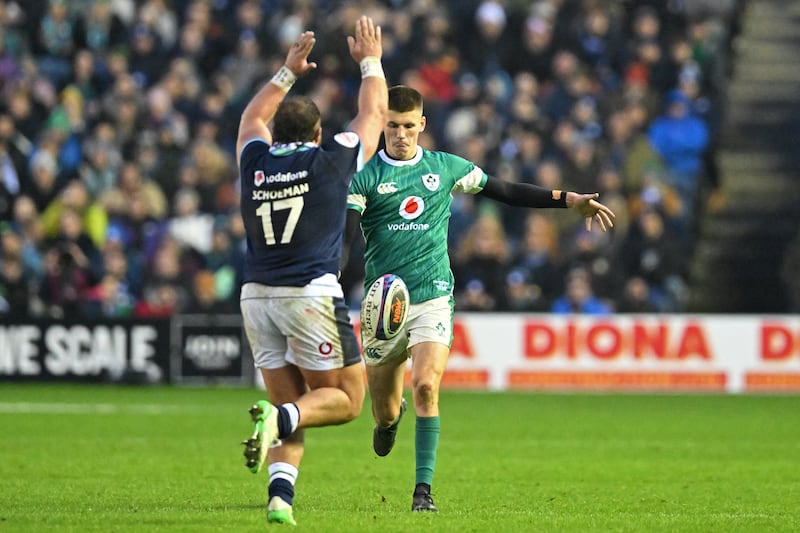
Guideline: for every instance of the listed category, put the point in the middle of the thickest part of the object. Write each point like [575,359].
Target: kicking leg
[386,393]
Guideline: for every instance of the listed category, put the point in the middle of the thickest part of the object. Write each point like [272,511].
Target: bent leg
[335,396]
[286,385]
[386,390]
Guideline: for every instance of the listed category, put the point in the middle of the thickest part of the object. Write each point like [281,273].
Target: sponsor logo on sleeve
[347,138]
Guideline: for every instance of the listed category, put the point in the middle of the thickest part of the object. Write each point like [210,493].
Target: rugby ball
[385,307]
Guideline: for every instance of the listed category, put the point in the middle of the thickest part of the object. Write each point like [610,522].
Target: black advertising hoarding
[210,349]
[102,350]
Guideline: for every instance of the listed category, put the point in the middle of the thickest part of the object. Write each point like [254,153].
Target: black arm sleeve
[523,194]
[352,231]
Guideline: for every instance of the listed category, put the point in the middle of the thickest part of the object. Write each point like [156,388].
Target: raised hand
[297,56]
[367,40]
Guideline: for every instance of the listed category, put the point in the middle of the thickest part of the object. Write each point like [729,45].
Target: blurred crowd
[118,118]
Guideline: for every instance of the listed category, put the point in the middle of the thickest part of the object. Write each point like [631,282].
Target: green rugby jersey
[405,210]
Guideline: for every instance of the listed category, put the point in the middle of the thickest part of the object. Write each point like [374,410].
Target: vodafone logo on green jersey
[412,207]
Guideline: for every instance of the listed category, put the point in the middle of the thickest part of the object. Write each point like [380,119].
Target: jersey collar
[278,149]
[397,163]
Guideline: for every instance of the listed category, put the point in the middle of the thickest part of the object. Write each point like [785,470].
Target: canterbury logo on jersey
[387,188]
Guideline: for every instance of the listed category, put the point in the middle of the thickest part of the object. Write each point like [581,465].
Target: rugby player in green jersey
[401,201]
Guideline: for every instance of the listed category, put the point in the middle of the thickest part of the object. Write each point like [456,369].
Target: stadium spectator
[488,44]
[594,252]
[43,186]
[75,198]
[636,297]
[14,289]
[124,266]
[579,296]
[225,260]
[12,158]
[535,52]
[110,298]
[204,298]
[535,275]
[189,226]
[55,40]
[28,225]
[103,159]
[652,253]
[161,299]
[67,276]
[681,139]
[481,262]
[77,99]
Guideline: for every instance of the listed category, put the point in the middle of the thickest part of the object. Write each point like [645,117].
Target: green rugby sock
[426,441]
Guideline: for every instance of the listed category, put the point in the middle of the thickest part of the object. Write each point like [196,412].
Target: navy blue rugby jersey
[293,205]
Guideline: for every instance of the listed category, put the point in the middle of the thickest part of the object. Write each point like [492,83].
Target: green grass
[169,459]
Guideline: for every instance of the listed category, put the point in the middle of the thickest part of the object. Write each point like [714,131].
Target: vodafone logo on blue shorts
[412,207]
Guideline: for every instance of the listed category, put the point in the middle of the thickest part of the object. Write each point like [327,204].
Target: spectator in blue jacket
[681,139]
[579,296]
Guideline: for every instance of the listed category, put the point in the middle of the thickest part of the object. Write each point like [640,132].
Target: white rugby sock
[283,471]
[294,414]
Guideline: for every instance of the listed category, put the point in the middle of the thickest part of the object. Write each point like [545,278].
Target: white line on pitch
[97,408]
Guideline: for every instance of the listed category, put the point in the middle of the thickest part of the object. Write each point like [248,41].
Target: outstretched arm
[373,97]
[527,195]
[262,107]
[352,231]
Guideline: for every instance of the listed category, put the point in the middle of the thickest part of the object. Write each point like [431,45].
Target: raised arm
[527,195]
[262,107]
[373,97]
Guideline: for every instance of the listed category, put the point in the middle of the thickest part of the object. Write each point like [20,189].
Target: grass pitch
[103,458]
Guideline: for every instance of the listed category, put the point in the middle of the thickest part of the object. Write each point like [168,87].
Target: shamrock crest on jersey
[431,181]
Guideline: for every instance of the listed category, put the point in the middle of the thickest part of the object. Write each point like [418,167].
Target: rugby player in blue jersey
[401,200]
[294,191]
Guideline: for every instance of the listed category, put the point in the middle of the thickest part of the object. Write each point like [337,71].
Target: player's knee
[354,408]
[356,397]
[426,392]
[387,414]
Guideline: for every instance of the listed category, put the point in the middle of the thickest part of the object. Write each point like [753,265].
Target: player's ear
[422,123]
[318,136]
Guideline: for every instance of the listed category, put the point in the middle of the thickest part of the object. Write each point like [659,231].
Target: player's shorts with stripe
[427,321]
[308,327]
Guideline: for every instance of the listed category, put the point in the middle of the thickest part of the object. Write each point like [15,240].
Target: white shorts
[430,321]
[302,326]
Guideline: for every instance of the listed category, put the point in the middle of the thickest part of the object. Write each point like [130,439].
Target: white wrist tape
[284,78]
[371,66]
